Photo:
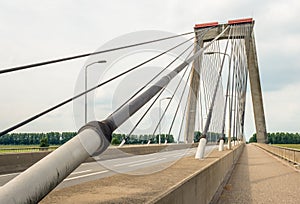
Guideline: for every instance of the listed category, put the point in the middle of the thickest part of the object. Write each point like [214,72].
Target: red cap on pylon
[240,21]
[206,25]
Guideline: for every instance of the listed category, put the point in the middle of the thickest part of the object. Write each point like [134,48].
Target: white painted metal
[221,145]
[122,143]
[201,149]
[38,180]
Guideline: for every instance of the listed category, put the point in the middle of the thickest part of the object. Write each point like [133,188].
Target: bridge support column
[257,100]
[193,97]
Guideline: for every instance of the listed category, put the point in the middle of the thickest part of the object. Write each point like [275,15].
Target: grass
[4,149]
[17,146]
[294,146]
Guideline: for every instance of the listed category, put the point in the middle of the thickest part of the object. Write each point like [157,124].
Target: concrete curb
[202,186]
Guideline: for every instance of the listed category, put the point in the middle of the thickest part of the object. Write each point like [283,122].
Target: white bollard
[221,145]
[166,141]
[201,149]
[122,143]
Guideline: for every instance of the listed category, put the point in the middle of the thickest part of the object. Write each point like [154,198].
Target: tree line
[280,138]
[141,139]
[210,136]
[52,138]
[56,138]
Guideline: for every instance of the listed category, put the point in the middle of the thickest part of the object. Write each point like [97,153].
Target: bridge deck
[126,188]
[260,178]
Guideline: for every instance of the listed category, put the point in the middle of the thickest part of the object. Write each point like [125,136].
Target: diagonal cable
[38,64]
[158,94]
[87,91]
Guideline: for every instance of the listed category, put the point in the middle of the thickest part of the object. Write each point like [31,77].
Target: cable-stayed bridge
[201,82]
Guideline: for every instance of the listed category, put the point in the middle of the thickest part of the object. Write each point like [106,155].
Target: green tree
[170,138]
[44,142]
[253,138]
[197,136]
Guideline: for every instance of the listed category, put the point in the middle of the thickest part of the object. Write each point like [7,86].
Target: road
[129,165]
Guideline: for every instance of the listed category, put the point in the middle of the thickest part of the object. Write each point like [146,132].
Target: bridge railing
[289,154]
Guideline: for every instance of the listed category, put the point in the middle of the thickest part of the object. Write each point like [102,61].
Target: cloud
[34,31]
[282,109]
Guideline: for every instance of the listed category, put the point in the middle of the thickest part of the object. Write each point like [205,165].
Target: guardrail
[292,155]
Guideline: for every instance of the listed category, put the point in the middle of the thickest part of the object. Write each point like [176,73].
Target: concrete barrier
[202,186]
[292,155]
[16,162]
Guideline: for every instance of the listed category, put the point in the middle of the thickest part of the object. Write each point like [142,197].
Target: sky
[34,31]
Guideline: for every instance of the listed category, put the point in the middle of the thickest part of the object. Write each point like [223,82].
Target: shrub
[115,141]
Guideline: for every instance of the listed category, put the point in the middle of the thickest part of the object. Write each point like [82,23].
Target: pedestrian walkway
[259,177]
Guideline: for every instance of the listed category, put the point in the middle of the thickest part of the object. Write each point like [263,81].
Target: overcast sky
[33,31]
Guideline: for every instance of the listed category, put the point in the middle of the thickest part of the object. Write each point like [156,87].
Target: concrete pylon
[254,77]
[193,96]
[257,101]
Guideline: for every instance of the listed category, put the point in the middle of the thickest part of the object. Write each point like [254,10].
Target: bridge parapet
[289,154]
[205,185]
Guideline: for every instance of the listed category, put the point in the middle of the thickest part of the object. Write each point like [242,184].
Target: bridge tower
[253,71]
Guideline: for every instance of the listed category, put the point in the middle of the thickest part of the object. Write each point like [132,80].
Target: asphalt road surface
[128,165]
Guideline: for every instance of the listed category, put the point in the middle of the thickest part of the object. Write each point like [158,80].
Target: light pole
[221,145]
[85,87]
[159,136]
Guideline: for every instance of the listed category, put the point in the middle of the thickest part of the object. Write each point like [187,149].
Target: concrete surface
[141,188]
[103,168]
[259,177]
[203,184]
[16,162]
[256,93]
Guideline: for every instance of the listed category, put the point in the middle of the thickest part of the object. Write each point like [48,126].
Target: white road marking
[179,155]
[175,153]
[86,175]
[9,174]
[147,162]
[123,164]
[87,163]
[79,172]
